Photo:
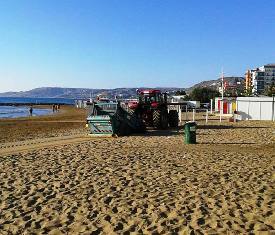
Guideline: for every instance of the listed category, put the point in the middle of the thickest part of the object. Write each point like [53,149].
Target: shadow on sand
[230,127]
[178,131]
[226,143]
[152,132]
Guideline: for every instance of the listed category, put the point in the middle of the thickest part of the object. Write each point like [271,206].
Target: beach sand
[141,184]
[67,121]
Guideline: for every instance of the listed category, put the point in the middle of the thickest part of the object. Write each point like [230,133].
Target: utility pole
[221,103]
[222,83]
[273,107]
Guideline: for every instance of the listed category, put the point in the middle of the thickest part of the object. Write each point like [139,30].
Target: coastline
[22,111]
[13,107]
[64,122]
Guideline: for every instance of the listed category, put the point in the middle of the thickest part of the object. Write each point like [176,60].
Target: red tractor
[152,108]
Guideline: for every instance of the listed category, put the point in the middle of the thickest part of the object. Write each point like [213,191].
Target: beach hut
[225,106]
[255,108]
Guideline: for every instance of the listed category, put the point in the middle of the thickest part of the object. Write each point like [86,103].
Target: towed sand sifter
[110,119]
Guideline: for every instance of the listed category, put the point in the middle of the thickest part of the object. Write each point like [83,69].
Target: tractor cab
[152,97]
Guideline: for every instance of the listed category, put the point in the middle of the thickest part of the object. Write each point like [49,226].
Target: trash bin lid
[191,123]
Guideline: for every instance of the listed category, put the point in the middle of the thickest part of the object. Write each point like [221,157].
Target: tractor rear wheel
[156,119]
[160,119]
[173,118]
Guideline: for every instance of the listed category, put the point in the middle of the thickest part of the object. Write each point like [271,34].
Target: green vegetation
[204,94]
[270,91]
[237,92]
[248,92]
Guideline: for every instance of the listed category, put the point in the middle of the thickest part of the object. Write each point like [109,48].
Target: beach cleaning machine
[111,119]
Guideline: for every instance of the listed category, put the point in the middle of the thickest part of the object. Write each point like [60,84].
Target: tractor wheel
[131,111]
[142,127]
[124,129]
[157,119]
[164,119]
[173,118]
[160,119]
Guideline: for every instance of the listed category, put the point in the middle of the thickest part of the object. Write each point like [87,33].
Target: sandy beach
[141,184]
[67,121]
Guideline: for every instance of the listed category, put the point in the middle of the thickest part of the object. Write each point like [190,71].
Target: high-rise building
[261,78]
[248,81]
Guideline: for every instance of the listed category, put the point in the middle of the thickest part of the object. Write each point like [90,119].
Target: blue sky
[131,43]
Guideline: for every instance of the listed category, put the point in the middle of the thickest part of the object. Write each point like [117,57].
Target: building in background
[257,81]
[248,82]
[260,79]
[233,86]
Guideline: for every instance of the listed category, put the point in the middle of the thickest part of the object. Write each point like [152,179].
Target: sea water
[25,100]
[21,111]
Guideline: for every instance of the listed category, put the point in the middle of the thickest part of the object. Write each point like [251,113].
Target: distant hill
[214,84]
[83,93]
[78,93]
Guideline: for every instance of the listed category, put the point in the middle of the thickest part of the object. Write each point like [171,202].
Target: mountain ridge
[84,93]
[78,93]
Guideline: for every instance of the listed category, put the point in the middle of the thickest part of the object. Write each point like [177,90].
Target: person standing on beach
[53,108]
[31,110]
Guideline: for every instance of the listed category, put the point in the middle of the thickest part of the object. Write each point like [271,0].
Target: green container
[111,119]
[100,125]
[190,132]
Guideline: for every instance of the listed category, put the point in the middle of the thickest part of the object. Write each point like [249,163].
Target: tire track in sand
[28,145]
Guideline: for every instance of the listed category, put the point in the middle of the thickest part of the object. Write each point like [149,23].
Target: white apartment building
[262,78]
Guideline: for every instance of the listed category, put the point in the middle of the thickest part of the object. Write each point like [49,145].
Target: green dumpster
[190,132]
